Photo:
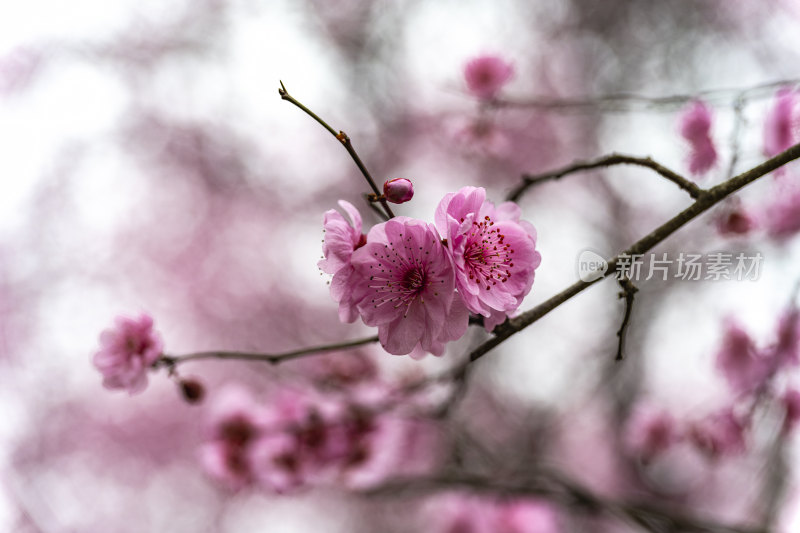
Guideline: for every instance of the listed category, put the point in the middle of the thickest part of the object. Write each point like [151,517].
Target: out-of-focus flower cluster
[418,282]
[126,352]
[756,377]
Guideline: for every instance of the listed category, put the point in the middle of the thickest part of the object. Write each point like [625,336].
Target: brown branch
[343,138]
[530,180]
[628,292]
[707,200]
[567,493]
[173,360]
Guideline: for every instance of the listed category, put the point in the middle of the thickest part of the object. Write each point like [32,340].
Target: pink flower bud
[398,190]
[486,75]
[192,390]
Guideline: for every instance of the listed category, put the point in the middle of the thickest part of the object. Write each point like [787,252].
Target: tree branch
[343,138]
[529,180]
[173,360]
[625,102]
[707,200]
[565,492]
[628,292]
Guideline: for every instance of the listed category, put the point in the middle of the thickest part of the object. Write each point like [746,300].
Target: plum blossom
[405,285]
[493,251]
[126,352]
[235,424]
[695,127]
[779,127]
[486,75]
[739,361]
[791,406]
[649,432]
[782,217]
[341,240]
[734,220]
[718,435]
[398,190]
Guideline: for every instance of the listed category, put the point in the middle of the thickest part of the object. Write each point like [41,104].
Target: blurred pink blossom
[126,352]
[406,286]
[791,406]
[527,516]
[398,190]
[236,421]
[480,136]
[341,240]
[493,251]
[695,127]
[782,216]
[719,435]
[786,348]
[734,221]
[779,127]
[486,75]
[650,431]
[739,361]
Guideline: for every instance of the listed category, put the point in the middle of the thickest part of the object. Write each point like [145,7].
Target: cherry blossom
[126,352]
[486,75]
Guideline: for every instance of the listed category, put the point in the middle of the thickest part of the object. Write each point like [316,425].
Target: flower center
[487,257]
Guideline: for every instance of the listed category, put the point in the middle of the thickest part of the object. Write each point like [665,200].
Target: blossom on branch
[398,190]
[779,127]
[696,128]
[493,251]
[341,240]
[486,75]
[405,285]
[126,352]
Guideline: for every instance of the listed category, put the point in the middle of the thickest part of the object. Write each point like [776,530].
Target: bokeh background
[148,164]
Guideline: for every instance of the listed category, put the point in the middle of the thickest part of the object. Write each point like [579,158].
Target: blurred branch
[708,199]
[173,360]
[566,492]
[627,102]
[628,292]
[530,180]
[343,138]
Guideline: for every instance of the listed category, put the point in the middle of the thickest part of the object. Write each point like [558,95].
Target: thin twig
[626,102]
[628,292]
[707,200]
[343,138]
[530,180]
[172,360]
[738,124]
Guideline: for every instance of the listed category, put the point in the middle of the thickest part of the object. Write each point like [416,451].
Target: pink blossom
[791,406]
[782,218]
[649,432]
[480,136]
[126,352]
[739,361]
[236,422]
[719,435]
[779,127]
[786,348]
[341,239]
[486,75]
[406,287]
[494,252]
[696,128]
[734,221]
[398,190]
[527,516]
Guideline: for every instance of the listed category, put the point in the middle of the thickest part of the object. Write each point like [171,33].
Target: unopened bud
[192,390]
[398,190]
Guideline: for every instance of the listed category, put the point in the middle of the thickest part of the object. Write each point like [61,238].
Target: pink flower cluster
[418,282]
[749,372]
[127,350]
[299,440]
[780,127]
[486,75]
[696,128]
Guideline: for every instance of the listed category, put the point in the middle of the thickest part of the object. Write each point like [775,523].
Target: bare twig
[343,138]
[530,180]
[173,360]
[628,292]
[627,102]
